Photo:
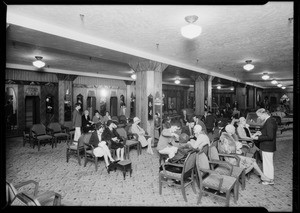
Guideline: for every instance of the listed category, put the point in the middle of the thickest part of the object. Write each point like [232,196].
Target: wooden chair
[26,137]
[68,126]
[77,150]
[39,135]
[89,155]
[183,179]
[129,141]
[59,132]
[14,197]
[213,183]
[225,168]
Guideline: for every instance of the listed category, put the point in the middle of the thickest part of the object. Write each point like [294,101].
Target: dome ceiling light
[274,81]
[265,76]
[279,85]
[248,65]
[191,30]
[283,87]
[38,63]
[177,81]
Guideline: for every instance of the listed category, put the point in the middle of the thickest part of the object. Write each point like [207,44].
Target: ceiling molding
[68,72]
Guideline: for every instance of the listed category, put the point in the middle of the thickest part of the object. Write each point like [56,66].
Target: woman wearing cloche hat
[135,128]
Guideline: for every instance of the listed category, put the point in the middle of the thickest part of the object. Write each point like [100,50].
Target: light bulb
[283,87]
[191,31]
[274,82]
[177,81]
[279,85]
[248,67]
[38,64]
[133,76]
[218,87]
[265,76]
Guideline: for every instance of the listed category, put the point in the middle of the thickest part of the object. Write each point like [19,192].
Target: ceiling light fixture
[279,85]
[274,81]
[232,88]
[38,63]
[219,87]
[191,30]
[265,76]
[248,65]
[133,76]
[177,81]
[283,87]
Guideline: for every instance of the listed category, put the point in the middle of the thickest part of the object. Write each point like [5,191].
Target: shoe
[107,169]
[267,182]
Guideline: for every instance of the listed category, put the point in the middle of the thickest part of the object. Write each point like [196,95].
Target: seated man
[114,140]
[187,128]
[197,120]
[100,146]
[166,143]
[136,129]
[210,122]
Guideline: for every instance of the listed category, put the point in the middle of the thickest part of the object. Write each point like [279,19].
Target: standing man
[77,122]
[267,140]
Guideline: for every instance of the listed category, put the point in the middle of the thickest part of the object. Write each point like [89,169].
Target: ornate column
[199,93]
[65,92]
[209,91]
[148,84]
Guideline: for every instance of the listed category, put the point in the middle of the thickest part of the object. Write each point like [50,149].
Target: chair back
[11,192]
[56,127]
[122,132]
[189,162]
[39,129]
[84,138]
[205,149]
[202,161]
[213,153]
[23,199]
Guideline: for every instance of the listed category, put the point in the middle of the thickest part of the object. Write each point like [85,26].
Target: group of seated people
[232,136]
[104,136]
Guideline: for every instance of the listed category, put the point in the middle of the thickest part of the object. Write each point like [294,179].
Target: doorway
[114,106]
[32,110]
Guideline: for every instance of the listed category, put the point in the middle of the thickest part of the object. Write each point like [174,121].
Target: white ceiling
[107,38]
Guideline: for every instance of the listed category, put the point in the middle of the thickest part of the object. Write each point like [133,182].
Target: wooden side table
[125,166]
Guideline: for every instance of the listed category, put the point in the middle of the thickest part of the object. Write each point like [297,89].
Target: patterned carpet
[83,186]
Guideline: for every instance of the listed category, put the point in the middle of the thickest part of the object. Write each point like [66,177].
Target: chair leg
[183,192]
[160,184]
[96,163]
[243,180]
[78,157]
[193,186]
[199,197]
[227,198]
[67,154]
[236,192]
[39,145]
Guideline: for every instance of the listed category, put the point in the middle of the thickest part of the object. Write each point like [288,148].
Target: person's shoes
[107,168]
[264,182]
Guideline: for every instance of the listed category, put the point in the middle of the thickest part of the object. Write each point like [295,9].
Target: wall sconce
[133,76]
[103,92]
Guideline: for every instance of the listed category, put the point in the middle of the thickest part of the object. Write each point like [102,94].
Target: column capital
[199,77]
[147,65]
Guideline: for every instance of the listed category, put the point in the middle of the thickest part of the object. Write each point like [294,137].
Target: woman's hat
[241,119]
[136,119]
[197,128]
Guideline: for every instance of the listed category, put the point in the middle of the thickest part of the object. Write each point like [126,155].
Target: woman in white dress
[135,128]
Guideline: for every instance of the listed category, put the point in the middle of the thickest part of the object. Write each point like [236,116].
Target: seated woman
[114,140]
[229,145]
[100,146]
[97,117]
[166,143]
[201,139]
[244,132]
[136,129]
[86,122]
[157,125]
[106,117]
